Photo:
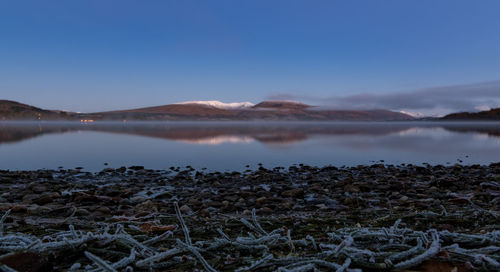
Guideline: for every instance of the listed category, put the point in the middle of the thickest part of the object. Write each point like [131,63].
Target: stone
[39,188]
[26,262]
[46,198]
[85,198]
[194,202]
[266,210]
[153,227]
[28,198]
[216,204]
[81,212]
[232,198]
[185,209]
[104,210]
[287,204]
[37,210]
[138,199]
[146,206]
[293,193]
[351,188]
[205,212]
[261,200]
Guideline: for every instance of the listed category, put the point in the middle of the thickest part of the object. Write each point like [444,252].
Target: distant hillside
[493,114]
[208,111]
[367,115]
[171,112]
[11,110]
[267,110]
[281,105]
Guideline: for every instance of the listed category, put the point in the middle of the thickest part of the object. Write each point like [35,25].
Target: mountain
[208,111]
[493,114]
[11,110]
[170,112]
[364,115]
[413,114]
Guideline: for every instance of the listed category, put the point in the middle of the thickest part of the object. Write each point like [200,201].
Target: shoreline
[308,201]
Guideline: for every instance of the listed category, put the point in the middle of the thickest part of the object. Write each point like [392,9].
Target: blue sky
[86,55]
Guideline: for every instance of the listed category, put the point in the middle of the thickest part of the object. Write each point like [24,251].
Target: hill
[493,114]
[207,111]
[11,110]
[170,112]
[281,105]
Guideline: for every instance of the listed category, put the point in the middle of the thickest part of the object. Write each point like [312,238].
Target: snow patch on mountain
[482,108]
[412,114]
[220,105]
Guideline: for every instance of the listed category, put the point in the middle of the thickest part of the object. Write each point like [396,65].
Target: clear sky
[93,55]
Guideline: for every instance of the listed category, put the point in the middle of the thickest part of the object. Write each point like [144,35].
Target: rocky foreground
[365,218]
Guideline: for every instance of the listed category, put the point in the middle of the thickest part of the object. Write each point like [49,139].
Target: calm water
[232,146]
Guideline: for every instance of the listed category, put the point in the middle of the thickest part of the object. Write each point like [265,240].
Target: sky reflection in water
[232,146]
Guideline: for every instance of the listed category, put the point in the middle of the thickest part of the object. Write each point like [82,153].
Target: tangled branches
[346,249]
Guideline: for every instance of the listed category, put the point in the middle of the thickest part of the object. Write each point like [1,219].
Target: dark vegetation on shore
[377,217]
[493,114]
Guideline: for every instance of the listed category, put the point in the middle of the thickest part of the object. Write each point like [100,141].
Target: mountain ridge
[10,109]
[492,114]
[206,111]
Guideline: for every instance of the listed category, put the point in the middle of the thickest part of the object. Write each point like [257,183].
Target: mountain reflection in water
[270,143]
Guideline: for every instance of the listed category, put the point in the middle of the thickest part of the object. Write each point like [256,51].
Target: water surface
[233,146]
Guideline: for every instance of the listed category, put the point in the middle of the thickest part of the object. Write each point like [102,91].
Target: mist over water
[232,146]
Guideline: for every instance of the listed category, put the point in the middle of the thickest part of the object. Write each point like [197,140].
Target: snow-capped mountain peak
[221,105]
[412,114]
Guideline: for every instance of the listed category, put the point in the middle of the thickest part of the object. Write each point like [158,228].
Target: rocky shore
[304,218]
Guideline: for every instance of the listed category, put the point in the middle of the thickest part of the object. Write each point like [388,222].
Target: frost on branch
[115,247]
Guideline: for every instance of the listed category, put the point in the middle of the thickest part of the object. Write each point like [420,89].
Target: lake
[229,146]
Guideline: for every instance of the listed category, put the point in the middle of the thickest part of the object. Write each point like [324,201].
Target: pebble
[293,193]
[365,192]
[27,262]
[261,200]
[185,209]
[104,210]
